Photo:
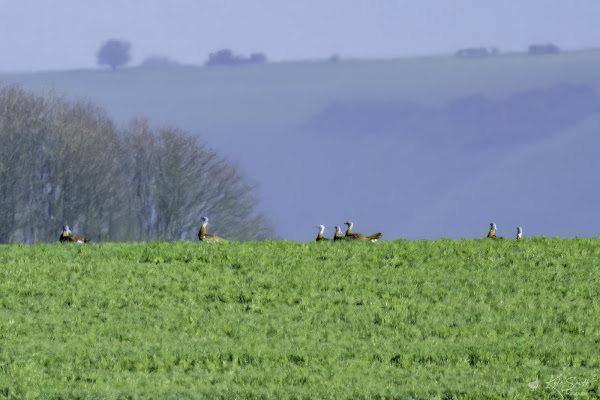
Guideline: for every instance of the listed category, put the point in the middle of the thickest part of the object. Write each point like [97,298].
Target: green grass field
[267,320]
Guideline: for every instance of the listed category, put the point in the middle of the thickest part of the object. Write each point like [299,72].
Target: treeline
[65,162]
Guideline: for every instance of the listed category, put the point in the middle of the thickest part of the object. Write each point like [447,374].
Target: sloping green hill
[221,99]
[405,319]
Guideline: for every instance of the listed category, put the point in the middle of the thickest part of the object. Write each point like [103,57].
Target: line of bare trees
[65,162]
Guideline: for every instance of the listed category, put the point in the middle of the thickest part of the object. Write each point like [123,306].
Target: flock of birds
[373,238]
[492,232]
[349,234]
[68,236]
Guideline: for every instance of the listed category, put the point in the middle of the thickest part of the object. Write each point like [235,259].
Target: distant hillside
[221,100]
[470,122]
[380,142]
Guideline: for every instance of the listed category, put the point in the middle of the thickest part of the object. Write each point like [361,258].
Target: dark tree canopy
[227,57]
[541,49]
[114,53]
[477,52]
[157,61]
[257,58]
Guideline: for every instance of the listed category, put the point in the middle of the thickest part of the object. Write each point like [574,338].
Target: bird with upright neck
[205,237]
[359,236]
[519,233]
[68,236]
[492,232]
[320,235]
[338,234]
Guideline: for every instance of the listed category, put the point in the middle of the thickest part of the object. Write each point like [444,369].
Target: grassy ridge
[421,319]
[287,94]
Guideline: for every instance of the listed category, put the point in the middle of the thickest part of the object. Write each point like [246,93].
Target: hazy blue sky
[65,34]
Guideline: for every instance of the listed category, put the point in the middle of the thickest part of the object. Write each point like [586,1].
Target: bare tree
[57,165]
[194,181]
[84,163]
[63,162]
[138,146]
[175,179]
[23,124]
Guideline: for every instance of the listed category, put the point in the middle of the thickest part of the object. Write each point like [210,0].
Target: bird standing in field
[204,237]
[492,232]
[519,233]
[359,236]
[320,235]
[338,234]
[67,236]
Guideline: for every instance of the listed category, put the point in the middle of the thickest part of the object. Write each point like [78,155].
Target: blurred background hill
[415,147]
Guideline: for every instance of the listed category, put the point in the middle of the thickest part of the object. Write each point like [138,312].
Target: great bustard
[492,232]
[320,235]
[204,237]
[338,234]
[68,236]
[359,236]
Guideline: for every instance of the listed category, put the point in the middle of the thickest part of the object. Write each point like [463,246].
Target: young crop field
[470,319]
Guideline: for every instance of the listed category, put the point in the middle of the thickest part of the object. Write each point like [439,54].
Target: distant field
[217,100]
[403,319]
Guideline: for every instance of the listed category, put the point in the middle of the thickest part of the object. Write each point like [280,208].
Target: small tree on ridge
[114,53]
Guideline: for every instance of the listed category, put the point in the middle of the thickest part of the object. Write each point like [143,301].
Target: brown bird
[492,232]
[67,236]
[359,236]
[519,232]
[338,234]
[204,237]
[320,235]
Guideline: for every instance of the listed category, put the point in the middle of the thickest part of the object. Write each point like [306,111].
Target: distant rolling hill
[400,146]
[472,122]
